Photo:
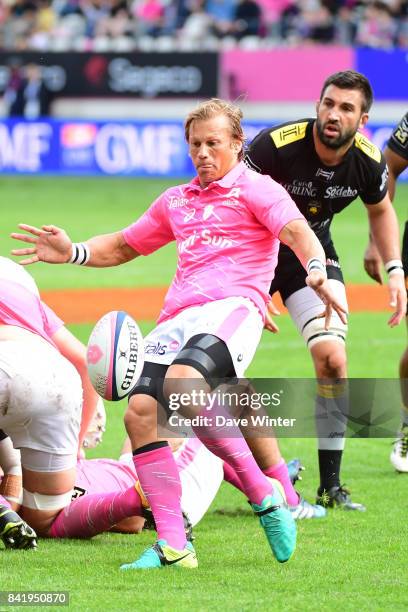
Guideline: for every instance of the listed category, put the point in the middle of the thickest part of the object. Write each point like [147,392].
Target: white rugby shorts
[40,397]
[236,320]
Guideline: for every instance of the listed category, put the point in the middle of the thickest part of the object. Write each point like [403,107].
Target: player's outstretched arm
[298,236]
[384,229]
[51,244]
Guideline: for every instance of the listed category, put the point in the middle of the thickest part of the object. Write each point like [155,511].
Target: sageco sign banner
[144,75]
[113,148]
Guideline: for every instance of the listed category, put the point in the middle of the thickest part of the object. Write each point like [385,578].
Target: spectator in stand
[13,85]
[377,28]
[150,16]
[247,19]
[32,99]
[94,12]
[44,26]
[317,23]
[197,26]
[222,14]
[117,22]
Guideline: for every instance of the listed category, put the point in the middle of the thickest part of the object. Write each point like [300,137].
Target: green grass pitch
[354,562]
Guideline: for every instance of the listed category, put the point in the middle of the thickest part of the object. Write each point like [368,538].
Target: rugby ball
[115,355]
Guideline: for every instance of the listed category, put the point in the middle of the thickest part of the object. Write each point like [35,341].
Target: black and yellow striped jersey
[398,142]
[287,153]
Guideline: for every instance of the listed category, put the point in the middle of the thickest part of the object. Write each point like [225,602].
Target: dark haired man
[325,164]
[396,155]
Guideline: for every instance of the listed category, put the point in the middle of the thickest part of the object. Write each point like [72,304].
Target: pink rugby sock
[231,477]
[280,472]
[159,478]
[4,502]
[92,514]
[236,453]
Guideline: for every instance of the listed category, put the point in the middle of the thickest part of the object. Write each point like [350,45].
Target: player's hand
[372,262]
[270,324]
[317,281]
[398,298]
[50,244]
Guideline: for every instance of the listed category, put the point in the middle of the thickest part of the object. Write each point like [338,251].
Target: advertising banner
[143,75]
[281,74]
[387,72]
[111,148]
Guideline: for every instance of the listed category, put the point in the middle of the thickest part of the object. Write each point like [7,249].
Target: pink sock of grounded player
[92,514]
[4,502]
[159,478]
[236,453]
[280,472]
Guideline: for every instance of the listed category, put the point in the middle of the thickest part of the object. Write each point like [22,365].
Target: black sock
[329,467]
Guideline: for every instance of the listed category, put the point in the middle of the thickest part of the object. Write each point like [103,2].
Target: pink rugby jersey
[226,235]
[103,476]
[20,302]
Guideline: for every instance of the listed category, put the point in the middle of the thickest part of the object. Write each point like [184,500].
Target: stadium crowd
[167,25]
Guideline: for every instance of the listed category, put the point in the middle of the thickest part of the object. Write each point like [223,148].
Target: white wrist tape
[316,264]
[394,266]
[80,253]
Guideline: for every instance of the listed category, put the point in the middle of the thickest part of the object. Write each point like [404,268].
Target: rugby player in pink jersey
[41,398]
[227,224]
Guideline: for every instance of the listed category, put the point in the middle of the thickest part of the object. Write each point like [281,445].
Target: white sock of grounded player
[228,444]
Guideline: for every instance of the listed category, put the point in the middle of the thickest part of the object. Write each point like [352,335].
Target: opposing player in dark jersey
[396,154]
[325,164]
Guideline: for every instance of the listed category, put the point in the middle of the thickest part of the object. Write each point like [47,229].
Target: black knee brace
[209,355]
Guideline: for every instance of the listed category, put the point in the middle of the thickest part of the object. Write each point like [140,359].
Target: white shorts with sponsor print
[235,320]
[40,397]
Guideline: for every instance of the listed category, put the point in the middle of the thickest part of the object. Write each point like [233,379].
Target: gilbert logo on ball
[115,355]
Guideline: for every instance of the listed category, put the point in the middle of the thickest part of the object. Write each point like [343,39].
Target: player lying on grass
[227,223]
[325,164]
[102,487]
[396,155]
[41,395]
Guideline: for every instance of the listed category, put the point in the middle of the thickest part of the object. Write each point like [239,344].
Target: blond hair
[213,107]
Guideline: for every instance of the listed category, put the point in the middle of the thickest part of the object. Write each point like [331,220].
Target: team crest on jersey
[289,133]
[325,174]
[367,147]
[314,207]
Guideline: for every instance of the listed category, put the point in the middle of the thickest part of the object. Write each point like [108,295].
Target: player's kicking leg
[159,478]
